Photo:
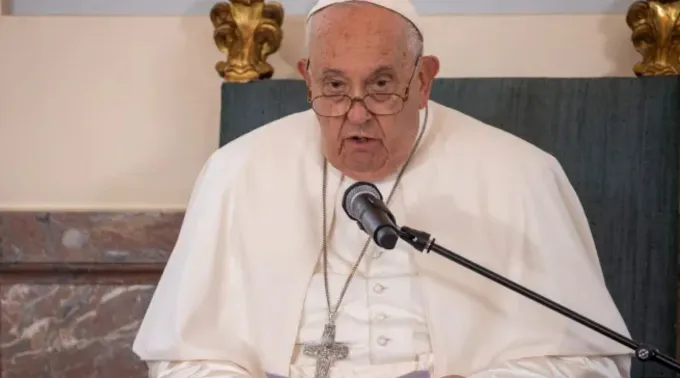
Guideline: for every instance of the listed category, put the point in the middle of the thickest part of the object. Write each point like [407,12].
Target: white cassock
[243,290]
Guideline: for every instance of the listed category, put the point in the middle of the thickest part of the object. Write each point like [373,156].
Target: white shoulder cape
[234,286]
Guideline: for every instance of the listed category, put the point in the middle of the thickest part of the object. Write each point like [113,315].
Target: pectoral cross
[326,352]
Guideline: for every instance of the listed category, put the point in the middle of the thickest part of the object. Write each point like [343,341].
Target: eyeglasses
[339,105]
[375,103]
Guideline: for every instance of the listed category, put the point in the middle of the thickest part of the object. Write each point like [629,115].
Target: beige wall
[120,112]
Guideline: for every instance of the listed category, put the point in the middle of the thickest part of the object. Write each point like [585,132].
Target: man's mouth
[361,142]
[359,139]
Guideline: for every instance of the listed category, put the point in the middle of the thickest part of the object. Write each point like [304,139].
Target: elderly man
[269,276]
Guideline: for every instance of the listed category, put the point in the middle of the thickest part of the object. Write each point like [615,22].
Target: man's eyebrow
[386,68]
[332,71]
[382,69]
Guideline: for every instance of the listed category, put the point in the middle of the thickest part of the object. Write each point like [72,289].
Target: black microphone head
[355,191]
[386,237]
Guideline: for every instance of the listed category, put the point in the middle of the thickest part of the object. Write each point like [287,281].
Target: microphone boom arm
[423,242]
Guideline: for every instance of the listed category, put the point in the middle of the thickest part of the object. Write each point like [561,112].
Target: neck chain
[332,312]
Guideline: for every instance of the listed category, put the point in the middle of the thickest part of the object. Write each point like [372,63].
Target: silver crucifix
[326,352]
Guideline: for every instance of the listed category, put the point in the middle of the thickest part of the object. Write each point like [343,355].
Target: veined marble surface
[87,237]
[60,331]
[75,326]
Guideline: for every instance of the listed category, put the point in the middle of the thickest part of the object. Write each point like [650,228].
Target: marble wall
[74,288]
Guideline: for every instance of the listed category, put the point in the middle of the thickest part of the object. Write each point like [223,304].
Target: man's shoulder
[490,146]
[279,133]
[270,141]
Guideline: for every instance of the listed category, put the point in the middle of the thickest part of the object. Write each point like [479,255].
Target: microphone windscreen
[349,203]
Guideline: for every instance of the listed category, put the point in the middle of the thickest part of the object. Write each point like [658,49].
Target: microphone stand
[423,242]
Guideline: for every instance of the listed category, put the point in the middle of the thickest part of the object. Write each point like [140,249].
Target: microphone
[363,203]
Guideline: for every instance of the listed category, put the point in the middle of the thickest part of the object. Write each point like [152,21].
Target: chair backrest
[617,139]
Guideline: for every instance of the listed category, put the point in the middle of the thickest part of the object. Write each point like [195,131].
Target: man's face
[358,51]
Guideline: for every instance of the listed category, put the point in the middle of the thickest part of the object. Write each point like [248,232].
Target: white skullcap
[403,7]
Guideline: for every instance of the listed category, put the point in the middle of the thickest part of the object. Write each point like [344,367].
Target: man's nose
[358,113]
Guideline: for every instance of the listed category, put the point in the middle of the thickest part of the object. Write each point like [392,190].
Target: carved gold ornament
[656,36]
[247,31]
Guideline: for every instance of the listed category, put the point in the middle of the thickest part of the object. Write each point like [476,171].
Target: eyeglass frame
[362,99]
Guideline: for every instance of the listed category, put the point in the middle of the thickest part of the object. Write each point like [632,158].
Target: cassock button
[378,288]
[382,340]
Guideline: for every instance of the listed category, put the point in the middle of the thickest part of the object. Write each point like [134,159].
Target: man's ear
[429,68]
[302,70]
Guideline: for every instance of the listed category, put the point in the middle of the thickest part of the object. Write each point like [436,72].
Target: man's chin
[370,173]
[361,165]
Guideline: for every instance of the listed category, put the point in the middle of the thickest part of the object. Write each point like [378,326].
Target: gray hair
[414,39]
